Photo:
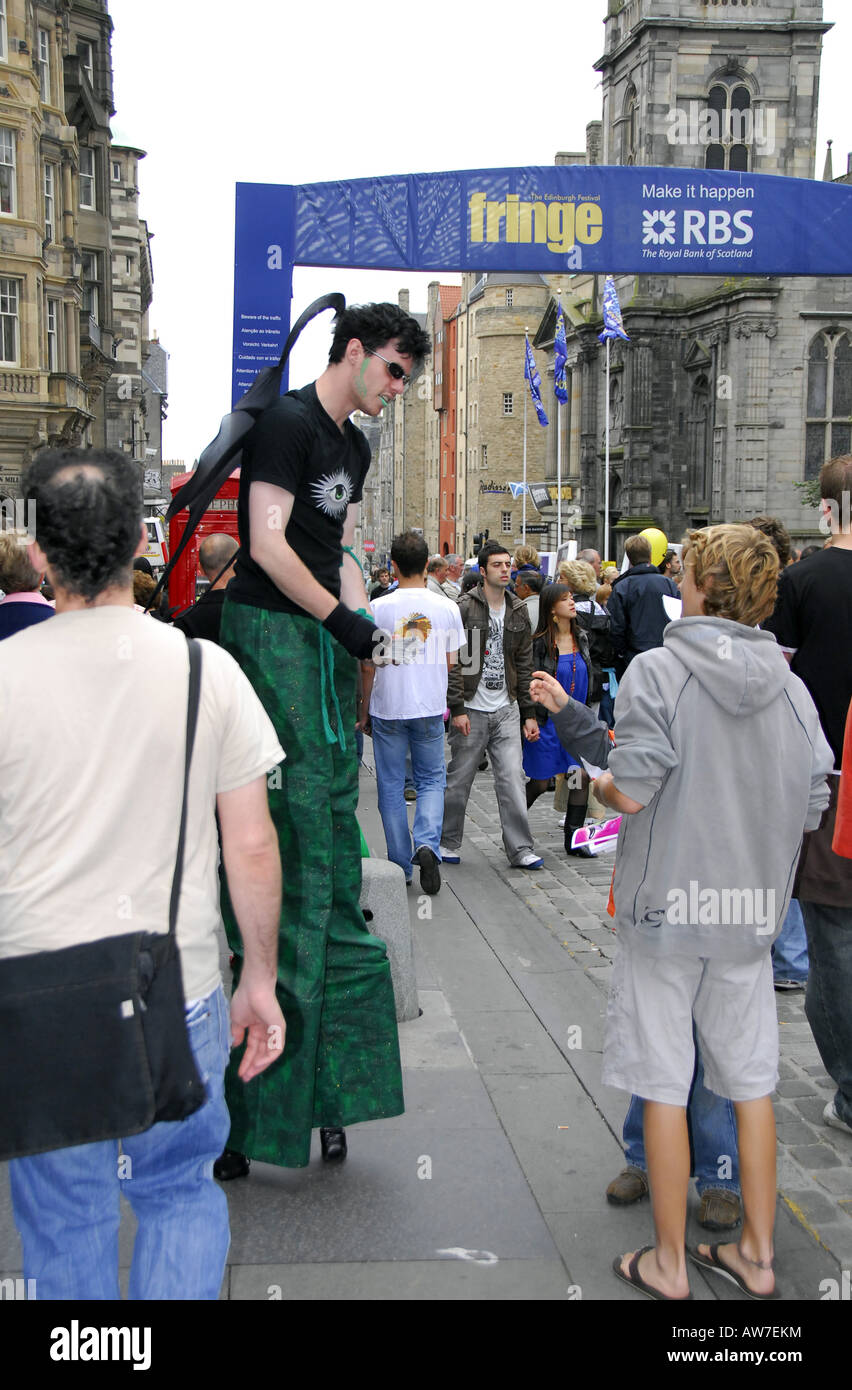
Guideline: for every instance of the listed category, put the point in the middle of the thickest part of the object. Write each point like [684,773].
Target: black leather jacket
[543,660]
[517,652]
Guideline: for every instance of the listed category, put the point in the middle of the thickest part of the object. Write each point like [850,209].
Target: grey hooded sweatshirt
[722,746]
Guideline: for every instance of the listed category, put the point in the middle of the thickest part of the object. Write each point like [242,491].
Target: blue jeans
[392,740]
[790,948]
[828,994]
[712,1135]
[67,1208]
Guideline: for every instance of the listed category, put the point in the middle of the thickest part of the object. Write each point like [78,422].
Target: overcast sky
[262,92]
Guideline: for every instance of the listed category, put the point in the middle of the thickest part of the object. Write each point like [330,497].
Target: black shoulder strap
[191,721]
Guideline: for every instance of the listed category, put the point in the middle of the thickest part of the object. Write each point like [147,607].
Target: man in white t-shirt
[93,711]
[489,696]
[407,708]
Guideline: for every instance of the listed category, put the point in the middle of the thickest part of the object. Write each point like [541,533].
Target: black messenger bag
[93,1038]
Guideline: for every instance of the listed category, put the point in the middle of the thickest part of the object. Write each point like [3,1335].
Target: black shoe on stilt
[333,1145]
[231,1164]
[575,819]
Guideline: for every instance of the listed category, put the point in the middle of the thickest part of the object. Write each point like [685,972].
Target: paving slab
[470,1276]
[510,1041]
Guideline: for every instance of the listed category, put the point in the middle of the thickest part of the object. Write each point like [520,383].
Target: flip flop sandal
[635,1280]
[712,1262]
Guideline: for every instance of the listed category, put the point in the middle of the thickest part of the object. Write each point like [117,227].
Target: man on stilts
[296,619]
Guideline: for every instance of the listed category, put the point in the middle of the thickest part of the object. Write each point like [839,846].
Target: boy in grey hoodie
[714,735]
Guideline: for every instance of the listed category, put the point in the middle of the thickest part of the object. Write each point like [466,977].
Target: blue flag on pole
[518,489]
[560,359]
[613,323]
[532,375]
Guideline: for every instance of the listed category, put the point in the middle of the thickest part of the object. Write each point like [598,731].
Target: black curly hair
[88,510]
[375,324]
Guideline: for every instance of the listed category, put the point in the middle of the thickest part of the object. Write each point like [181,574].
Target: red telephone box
[220,518]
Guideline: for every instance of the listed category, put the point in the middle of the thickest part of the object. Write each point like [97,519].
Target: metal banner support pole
[524,522]
[607,555]
[558,476]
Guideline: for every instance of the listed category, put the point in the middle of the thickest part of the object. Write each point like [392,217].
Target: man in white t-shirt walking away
[93,709]
[407,708]
[489,694]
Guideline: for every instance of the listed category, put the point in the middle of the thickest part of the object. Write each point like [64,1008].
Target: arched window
[630,126]
[828,428]
[698,437]
[728,127]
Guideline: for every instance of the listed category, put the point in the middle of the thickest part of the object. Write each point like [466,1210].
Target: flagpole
[613,328]
[524,523]
[606,462]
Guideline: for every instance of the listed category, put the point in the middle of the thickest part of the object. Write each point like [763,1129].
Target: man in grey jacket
[702,884]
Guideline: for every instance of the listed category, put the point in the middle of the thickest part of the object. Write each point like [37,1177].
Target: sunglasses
[393,367]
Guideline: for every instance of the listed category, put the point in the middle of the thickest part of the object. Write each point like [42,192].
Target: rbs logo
[714,228]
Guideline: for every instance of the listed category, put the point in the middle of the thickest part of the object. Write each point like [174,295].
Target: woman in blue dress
[561,648]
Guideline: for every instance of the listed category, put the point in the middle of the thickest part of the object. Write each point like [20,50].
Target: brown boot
[721,1209]
[630,1186]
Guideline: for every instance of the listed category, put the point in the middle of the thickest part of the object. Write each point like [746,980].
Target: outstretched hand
[547,691]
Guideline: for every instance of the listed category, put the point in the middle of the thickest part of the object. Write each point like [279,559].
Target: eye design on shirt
[331,493]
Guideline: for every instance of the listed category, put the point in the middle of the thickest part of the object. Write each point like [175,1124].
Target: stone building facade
[371,524]
[407,418]
[496,310]
[441,460]
[133,398]
[74,266]
[731,390]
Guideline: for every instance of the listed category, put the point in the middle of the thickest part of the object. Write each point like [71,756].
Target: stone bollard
[383,895]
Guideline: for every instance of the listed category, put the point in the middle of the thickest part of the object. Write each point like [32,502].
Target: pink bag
[598,838]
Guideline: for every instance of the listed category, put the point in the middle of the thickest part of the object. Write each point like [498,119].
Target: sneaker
[449,856]
[790,984]
[528,861]
[410,794]
[831,1118]
[630,1186]
[430,873]
[721,1209]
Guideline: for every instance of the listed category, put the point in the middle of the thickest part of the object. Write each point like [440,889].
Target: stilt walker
[296,619]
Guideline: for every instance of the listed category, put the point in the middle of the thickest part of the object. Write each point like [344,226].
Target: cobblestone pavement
[569,897]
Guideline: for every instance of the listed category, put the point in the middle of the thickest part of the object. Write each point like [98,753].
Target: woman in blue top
[561,648]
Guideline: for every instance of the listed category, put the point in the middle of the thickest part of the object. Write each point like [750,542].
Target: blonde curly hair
[736,568]
[527,555]
[17,575]
[579,575]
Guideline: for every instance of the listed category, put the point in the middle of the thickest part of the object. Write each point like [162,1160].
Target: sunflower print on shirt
[331,493]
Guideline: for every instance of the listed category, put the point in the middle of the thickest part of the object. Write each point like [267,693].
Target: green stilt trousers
[341,1055]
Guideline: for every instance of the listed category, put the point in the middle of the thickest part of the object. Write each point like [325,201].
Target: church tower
[731,390]
[712,84]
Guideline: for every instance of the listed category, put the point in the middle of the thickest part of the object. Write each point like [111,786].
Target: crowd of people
[702,698]
[722,643]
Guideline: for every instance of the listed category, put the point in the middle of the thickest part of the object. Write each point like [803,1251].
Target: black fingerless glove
[356,634]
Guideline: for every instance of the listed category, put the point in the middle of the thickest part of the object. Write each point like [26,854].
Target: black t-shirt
[813,617]
[296,445]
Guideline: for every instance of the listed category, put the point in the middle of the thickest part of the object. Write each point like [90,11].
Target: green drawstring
[326,684]
[327,675]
